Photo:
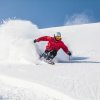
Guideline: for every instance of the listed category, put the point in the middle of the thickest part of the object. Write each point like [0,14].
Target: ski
[47,61]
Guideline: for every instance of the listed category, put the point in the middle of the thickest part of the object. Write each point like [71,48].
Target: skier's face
[58,38]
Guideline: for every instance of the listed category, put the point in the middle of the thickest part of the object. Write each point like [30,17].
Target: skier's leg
[51,55]
[45,54]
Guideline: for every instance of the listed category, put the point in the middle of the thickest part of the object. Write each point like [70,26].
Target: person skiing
[54,44]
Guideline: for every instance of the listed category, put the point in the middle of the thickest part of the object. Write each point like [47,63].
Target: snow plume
[78,19]
[16,41]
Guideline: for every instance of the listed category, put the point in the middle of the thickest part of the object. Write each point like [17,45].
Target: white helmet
[57,36]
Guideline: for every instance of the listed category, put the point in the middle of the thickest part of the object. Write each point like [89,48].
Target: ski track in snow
[24,77]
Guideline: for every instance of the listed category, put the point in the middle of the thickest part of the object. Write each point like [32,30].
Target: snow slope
[15,89]
[22,79]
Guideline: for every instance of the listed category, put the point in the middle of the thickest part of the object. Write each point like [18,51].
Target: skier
[54,44]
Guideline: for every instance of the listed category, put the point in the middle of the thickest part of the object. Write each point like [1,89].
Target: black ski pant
[48,55]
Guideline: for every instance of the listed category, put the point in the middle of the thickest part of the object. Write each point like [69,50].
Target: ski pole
[69,59]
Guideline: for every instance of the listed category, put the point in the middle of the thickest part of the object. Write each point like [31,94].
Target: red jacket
[53,44]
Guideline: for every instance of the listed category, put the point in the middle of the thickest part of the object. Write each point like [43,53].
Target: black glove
[69,53]
[35,41]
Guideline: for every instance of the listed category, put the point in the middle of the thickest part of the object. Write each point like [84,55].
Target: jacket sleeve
[65,48]
[44,38]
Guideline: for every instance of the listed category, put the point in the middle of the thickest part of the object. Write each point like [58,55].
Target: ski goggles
[58,37]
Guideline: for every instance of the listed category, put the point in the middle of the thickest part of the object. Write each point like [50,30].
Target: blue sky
[49,13]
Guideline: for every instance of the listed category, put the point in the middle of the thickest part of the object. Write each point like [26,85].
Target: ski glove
[69,53]
[35,41]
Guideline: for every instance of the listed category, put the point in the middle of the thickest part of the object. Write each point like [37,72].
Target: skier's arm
[44,38]
[65,48]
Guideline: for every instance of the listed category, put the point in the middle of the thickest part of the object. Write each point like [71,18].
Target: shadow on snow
[79,60]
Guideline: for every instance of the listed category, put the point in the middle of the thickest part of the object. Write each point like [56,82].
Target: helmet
[57,36]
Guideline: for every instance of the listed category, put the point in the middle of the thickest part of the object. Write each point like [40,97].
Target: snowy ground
[22,79]
[16,89]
